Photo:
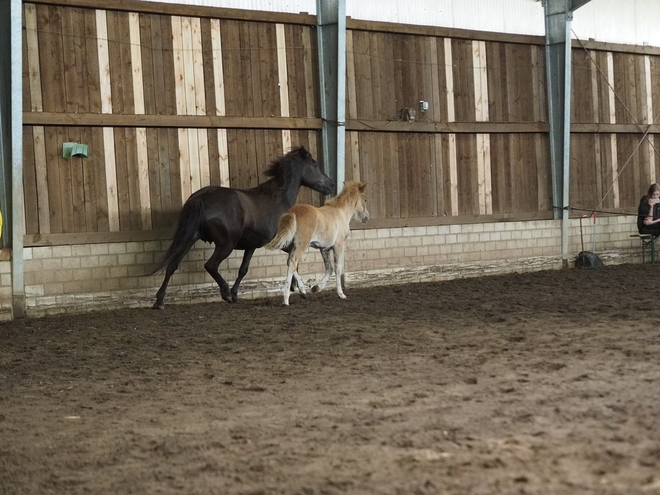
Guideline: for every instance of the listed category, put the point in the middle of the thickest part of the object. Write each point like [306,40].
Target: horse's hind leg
[339,268]
[220,253]
[242,271]
[325,254]
[160,295]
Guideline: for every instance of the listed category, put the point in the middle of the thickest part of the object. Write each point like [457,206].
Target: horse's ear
[302,151]
[362,186]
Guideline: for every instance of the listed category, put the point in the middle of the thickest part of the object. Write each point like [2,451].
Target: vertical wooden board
[367,174]
[595,90]
[496,81]
[409,75]
[164,64]
[133,178]
[282,76]
[351,160]
[30,196]
[95,181]
[252,165]
[207,57]
[463,73]
[468,188]
[179,66]
[214,157]
[630,187]
[123,177]
[53,178]
[351,89]
[154,171]
[25,77]
[119,48]
[77,184]
[91,61]
[75,75]
[527,170]
[363,83]
[188,66]
[581,87]
[526,93]
[218,69]
[585,193]
[439,99]
[500,178]
[389,188]
[41,171]
[398,68]
[655,90]
[89,188]
[311,70]
[148,62]
[256,65]
[376,54]
[231,61]
[162,190]
[420,172]
[249,68]
[424,74]
[198,67]
[428,75]
[49,26]
[295,73]
[66,186]
[641,101]
[237,157]
[32,59]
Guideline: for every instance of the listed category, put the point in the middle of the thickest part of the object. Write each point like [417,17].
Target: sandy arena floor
[537,383]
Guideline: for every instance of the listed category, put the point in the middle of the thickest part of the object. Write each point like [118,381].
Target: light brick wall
[101,276]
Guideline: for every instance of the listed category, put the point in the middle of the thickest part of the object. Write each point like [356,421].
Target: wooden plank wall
[173,98]
[423,170]
[616,100]
[82,62]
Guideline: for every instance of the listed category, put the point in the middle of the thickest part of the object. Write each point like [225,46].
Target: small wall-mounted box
[69,150]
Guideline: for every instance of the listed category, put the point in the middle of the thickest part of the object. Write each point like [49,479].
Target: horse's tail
[185,236]
[286,231]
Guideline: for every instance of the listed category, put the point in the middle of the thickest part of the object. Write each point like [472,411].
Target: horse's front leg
[338,251]
[325,253]
[242,271]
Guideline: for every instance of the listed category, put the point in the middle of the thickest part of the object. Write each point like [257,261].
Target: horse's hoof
[316,289]
[158,306]
[342,296]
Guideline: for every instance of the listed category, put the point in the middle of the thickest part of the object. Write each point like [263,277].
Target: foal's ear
[362,186]
[302,151]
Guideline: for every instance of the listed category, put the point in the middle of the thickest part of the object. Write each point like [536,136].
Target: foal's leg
[339,268]
[221,252]
[297,279]
[242,271]
[325,253]
[290,269]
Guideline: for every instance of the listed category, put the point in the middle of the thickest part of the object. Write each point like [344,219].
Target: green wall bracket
[70,150]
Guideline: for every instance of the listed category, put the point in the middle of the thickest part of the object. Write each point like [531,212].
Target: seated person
[648,213]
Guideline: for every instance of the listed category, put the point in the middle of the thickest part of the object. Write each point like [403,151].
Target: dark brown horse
[240,219]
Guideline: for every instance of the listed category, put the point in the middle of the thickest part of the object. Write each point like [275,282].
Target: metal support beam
[331,32]
[18,281]
[558,17]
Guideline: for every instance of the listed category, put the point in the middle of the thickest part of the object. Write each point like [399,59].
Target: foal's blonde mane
[348,194]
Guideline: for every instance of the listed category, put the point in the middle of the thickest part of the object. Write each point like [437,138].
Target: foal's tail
[185,236]
[286,231]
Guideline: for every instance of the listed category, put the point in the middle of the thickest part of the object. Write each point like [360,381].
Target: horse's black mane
[280,172]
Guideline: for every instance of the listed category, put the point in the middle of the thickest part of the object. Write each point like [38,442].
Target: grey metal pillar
[11,145]
[331,32]
[558,17]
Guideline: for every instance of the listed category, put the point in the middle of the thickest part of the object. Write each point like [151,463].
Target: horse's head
[361,211]
[311,174]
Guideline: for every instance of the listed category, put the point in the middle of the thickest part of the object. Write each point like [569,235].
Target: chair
[647,241]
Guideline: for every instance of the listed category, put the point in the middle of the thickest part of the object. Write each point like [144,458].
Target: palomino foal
[325,228]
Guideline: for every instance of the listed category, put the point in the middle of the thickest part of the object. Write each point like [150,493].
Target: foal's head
[353,196]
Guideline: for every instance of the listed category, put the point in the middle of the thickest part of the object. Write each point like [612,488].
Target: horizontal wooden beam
[188,10]
[95,238]
[615,128]
[442,32]
[447,127]
[175,121]
[391,223]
